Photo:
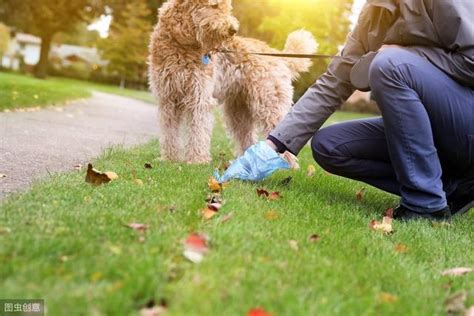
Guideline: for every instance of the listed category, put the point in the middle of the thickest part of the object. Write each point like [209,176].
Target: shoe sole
[465,209]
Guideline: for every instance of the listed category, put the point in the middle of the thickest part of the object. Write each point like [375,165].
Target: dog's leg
[170,119]
[199,123]
[239,120]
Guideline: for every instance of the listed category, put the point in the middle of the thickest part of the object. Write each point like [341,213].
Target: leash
[281,55]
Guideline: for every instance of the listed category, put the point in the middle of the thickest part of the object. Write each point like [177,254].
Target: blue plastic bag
[257,163]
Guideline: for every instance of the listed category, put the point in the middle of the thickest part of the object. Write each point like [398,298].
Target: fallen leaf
[141,228]
[314,238]
[3,175]
[148,165]
[389,212]
[385,226]
[227,217]
[401,248]
[274,196]
[387,298]
[311,171]
[78,167]
[209,213]
[138,182]
[258,312]
[262,192]
[455,303]
[214,185]
[457,271]
[293,245]
[215,198]
[360,194]
[271,215]
[196,246]
[96,177]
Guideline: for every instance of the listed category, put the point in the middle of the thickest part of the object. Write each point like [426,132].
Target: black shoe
[462,200]
[404,214]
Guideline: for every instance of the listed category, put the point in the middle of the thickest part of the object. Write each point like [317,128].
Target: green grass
[20,91]
[109,272]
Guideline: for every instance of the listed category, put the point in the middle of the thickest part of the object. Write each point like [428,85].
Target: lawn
[20,91]
[65,241]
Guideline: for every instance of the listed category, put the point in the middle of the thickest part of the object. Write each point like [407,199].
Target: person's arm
[334,87]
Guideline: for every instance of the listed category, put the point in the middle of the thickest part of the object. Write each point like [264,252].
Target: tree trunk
[122,82]
[41,69]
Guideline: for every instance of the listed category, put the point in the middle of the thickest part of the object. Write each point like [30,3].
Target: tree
[80,35]
[126,48]
[45,18]
[4,40]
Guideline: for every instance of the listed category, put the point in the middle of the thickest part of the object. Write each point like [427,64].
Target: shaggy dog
[188,73]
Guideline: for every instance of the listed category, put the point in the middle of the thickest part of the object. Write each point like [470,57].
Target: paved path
[33,144]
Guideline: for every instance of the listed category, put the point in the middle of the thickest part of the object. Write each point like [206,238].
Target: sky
[102,25]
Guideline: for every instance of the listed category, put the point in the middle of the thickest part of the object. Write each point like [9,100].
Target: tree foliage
[126,48]
[4,39]
[45,18]
[80,35]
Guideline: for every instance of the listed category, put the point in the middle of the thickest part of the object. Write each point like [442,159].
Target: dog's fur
[256,91]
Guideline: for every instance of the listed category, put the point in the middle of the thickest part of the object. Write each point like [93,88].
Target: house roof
[27,38]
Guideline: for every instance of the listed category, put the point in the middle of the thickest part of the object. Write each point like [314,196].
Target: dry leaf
[385,226]
[271,215]
[258,312]
[360,194]
[293,245]
[314,238]
[195,247]
[262,192]
[141,228]
[455,303]
[387,298]
[96,177]
[148,165]
[214,185]
[3,175]
[209,213]
[401,248]
[311,171]
[78,167]
[457,271]
[274,196]
[389,212]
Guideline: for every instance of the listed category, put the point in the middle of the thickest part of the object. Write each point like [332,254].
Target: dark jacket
[440,30]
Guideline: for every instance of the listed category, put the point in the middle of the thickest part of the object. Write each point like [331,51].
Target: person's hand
[257,163]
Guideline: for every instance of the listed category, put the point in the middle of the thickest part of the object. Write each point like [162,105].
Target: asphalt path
[34,145]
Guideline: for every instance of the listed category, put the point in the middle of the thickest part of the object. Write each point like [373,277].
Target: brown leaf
[311,171]
[96,177]
[214,185]
[78,167]
[457,271]
[262,192]
[387,298]
[401,248]
[314,238]
[209,213]
[389,212]
[272,215]
[360,194]
[274,196]
[455,303]
[148,165]
[141,228]
[385,226]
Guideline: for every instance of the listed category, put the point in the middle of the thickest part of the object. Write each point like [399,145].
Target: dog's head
[214,22]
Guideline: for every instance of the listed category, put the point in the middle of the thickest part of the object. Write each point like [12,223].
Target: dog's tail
[300,42]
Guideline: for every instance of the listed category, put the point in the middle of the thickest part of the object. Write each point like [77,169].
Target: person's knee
[384,67]
[323,148]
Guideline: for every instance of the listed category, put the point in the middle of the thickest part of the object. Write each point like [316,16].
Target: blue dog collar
[206,59]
